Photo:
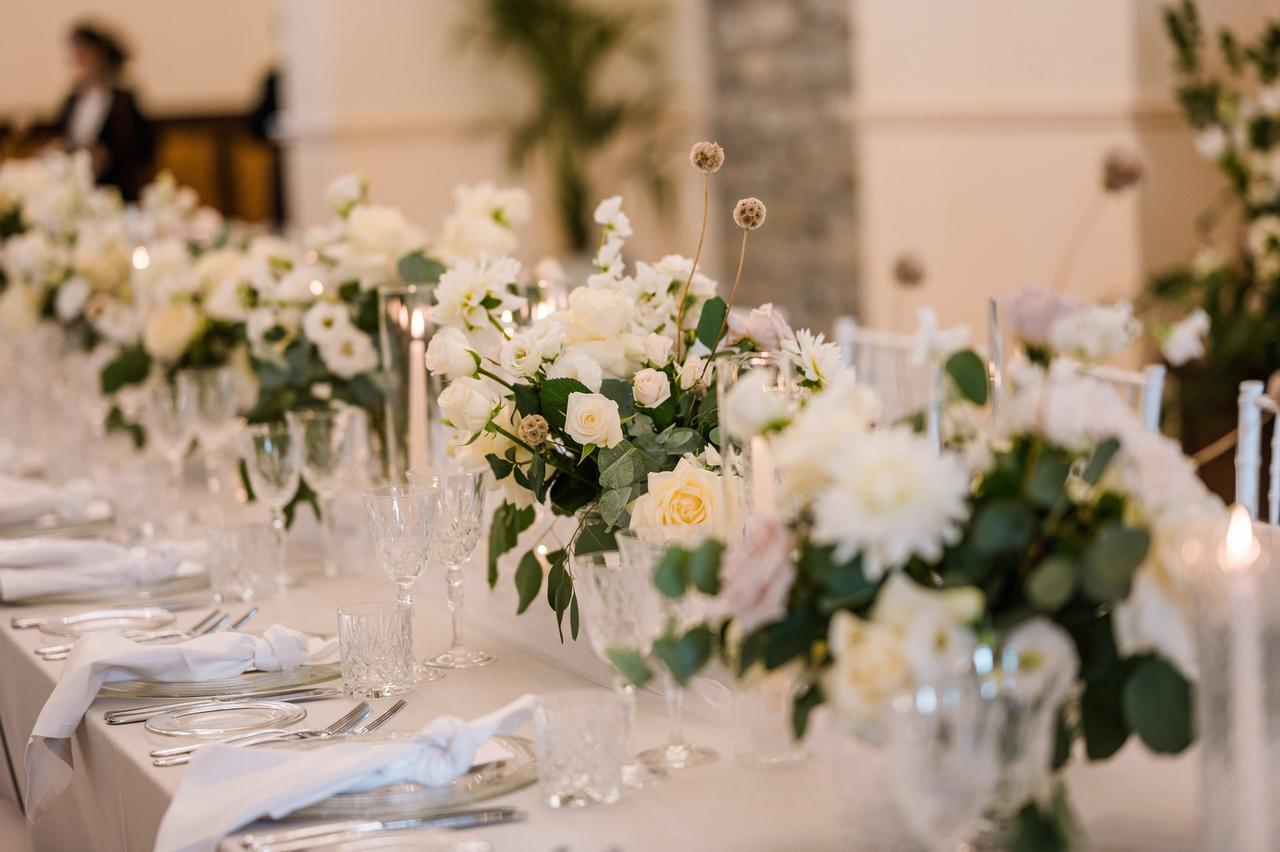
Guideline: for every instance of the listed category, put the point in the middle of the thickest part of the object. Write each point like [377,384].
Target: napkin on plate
[33,567]
[226,787]
[24,500]
[105,657]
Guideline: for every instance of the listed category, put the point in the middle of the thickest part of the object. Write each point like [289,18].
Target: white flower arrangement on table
[1055,530]
[604,409]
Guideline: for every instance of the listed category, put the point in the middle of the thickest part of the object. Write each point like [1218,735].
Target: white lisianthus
[71,299]
[345,192]
[608,259]
[574,364]
[686,504]
[1047,660]
[326,321]
[754,405]
[521,355]
[473,291]
[650,388]
[1184,340]
[935,626]
[657,350]
[468,403]
[1094,332]
[170,329]
[450,354]
[269,330]
[692,373]
[817,360]
[349,353]
[934,344]
[592,418]
[609,214]
[893,497]
[228,300]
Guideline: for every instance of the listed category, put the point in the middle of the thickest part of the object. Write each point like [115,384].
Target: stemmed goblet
[274,463]
[641,556]
[403,521]
[328,450]
[169,428]
[457,534]
[211,393]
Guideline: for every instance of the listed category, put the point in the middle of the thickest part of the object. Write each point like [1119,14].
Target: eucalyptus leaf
[1157,705]
[969,374]
[684,656]
[630,664]
[1002,526]
[594,538]
[508,522]
[1111,559]
[711,321]
[1052,583]
[704,567]
[417,268]
[672,574]
[528,580]
[1100,460]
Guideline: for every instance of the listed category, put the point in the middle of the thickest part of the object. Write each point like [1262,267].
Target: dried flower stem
[724,323]
[693,270]
[1078,236]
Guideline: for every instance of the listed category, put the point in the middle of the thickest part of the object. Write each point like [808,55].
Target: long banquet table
[117,798]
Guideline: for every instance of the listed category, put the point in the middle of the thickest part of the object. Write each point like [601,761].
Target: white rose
[346,192]
[691,372]
[657,349]
[71,299]
[685,504]
[449,353]
[869,667]
[521,355]
[651,388]
[601,313]
[468,404]
[754,405]
[577,365]
[549,334]
[592,418]
[170,330]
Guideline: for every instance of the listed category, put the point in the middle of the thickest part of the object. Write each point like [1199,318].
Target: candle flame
[316,286]
[418,325]
[141,258]
[1241,548]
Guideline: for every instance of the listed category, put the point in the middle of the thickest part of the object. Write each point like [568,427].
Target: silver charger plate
[118,618]
[226,719]
[122,594]
[515,771]
[238,685]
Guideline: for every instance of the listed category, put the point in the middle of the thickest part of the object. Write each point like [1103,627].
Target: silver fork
[179,755]
[208,624]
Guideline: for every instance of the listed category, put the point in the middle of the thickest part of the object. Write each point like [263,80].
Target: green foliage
[131,366]
[528,580]
[1157,706]
[630,664]
[968,373]
[508,522]
[417,268]
[554,398]
[685,654]
[711,321]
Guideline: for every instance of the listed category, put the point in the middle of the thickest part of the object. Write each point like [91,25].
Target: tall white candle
[763,476]
[1238,558]
[419,448]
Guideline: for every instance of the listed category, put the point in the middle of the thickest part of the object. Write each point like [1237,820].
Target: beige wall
[190,55]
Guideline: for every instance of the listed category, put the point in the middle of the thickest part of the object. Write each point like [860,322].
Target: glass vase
[410,433]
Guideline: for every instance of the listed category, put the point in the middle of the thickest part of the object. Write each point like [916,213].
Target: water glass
[169,428]
[580,736]
[763,735]
[376,644]
[243,562]
[328,453]
[274,463]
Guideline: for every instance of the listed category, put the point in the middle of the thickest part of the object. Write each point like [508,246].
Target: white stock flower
[817,360]
[934,344]
[657,350]
[684,505]
[1184,341]
[450,354]
[468,403]
[521,355]
[609,214]
[650,388]
[349,353]
[326,321]
[169,330]
[574,364]
[893,497]
[1094,332]
[754,405]
[72,298]
[592,418]
[345,192]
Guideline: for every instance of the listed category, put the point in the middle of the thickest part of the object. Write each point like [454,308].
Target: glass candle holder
[411,434]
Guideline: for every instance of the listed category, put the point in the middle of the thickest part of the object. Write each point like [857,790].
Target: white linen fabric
[25,500]
[104,657]
[226,787]
[15,461]
[47,566]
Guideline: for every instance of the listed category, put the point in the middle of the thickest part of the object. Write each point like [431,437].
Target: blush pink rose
[758,573]
[1029,314]
[764,326]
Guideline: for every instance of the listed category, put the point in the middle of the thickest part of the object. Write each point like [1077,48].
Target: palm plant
[567,51]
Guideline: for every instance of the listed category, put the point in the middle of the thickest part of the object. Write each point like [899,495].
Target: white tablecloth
[1136,802]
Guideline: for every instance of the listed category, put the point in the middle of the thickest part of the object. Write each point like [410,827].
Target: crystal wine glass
[620,614]
[457,534]
[943,753]
[213,404]
[328,451]
[640,556]
[274,463]
[403,521]
[169,428]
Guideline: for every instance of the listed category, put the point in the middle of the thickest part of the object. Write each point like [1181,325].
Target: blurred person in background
[102,117]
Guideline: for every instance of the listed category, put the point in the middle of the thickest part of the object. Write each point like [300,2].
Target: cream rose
[870,666]
[691,373]
[651,388]
[684,504]
[450,353]
[468,404]
[577,365]
[592,418]
[657,349]
[170,330]
[521,355]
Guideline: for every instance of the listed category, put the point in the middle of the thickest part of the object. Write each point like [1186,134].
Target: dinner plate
[118,618]
[226,719]
[238,685]
[504,765]
[122,594]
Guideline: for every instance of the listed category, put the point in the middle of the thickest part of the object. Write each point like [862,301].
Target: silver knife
[330,833]
[133,715]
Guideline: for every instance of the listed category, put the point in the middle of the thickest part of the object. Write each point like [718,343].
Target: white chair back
[883,361]
[1253,402]
[1142,389]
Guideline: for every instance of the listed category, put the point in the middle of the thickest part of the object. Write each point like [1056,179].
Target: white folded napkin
[47,566]
[24,500]
[226,787]
[105,657]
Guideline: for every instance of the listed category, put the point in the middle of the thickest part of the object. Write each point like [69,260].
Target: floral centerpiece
[1051,530]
